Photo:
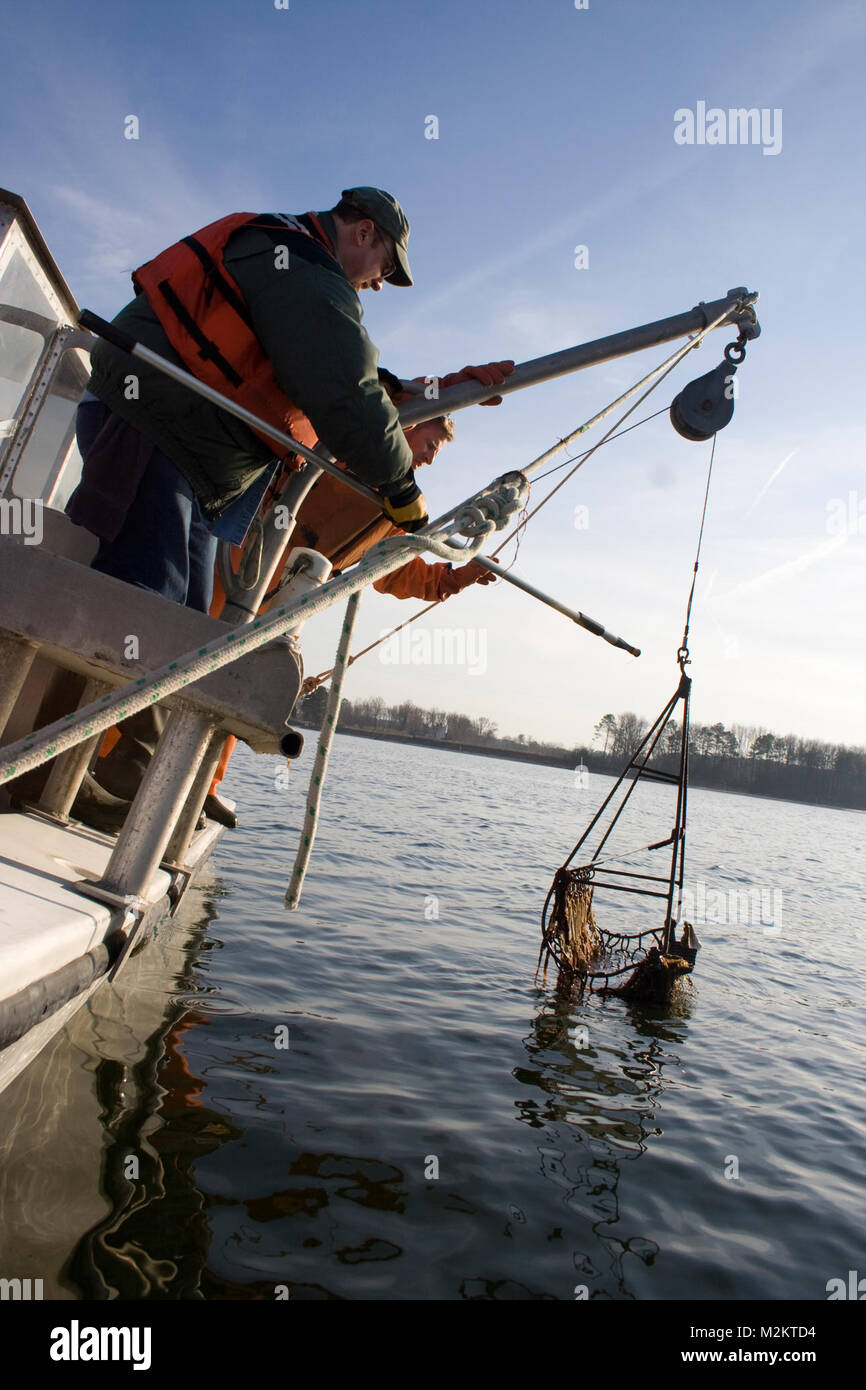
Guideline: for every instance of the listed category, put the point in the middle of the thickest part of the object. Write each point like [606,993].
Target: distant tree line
[743,758]
[621,735]
[746,758]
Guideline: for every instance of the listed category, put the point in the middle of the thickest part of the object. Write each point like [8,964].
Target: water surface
[436,1128]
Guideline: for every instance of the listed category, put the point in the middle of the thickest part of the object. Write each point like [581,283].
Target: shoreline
[564,762]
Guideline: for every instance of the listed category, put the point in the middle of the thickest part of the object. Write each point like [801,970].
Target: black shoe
[217,810]
[98,808]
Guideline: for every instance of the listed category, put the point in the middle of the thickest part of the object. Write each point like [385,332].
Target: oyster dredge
[76,901]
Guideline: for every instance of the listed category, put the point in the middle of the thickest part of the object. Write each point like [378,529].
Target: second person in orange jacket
[342,525]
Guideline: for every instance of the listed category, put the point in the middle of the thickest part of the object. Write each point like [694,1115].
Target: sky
[556,130]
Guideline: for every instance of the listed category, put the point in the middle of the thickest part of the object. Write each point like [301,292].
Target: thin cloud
[769,483]
[784,571]
[627,192]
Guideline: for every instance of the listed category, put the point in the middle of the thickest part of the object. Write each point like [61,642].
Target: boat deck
[45,924]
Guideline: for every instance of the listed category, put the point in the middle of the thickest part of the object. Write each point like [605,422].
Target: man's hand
[407,508]
[491,374]
[480,573]
[391,385]
[473,573]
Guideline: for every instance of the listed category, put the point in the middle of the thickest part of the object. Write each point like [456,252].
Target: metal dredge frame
[598,873]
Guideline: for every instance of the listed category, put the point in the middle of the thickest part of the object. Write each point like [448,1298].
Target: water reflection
[99,1134]
[170,1234]
[154,1242]
[596,1103]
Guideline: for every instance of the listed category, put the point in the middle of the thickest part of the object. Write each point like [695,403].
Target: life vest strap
[214,274]
[208,350]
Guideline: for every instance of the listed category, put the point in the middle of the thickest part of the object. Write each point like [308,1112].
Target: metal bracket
[176,888]
[131,937]
[51,816]
[135,909]
[746,319]
[90,888]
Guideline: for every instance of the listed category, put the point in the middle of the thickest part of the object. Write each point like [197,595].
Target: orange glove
[453,581]
[480,573]
[491,374]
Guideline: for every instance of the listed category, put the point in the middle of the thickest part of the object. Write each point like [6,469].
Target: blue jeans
[165,543]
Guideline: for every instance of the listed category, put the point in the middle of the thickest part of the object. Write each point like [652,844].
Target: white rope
[43,744]
[326,738]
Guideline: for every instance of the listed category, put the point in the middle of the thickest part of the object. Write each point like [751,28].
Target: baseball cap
[383,209]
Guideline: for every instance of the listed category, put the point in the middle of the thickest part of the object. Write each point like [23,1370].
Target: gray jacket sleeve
[307,318]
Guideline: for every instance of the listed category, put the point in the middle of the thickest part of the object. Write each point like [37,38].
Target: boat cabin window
[50,465]
[19,286]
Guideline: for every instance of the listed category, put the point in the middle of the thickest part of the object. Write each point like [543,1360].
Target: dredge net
[584,951]
[646,961]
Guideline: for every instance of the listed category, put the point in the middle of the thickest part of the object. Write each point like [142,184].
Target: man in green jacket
[165,472]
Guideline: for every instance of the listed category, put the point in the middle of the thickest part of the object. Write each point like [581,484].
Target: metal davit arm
[735,308]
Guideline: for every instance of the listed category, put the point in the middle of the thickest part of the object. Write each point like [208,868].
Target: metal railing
[41,745]
[173,775]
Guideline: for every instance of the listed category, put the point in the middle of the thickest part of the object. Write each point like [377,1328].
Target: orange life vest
[339,523]
[207,321]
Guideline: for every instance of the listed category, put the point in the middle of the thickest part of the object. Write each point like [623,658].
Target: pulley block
[706,405]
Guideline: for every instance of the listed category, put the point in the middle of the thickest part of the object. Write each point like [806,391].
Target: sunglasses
[391,249]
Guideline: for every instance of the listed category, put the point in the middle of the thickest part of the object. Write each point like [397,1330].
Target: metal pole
[242,607]
[42,744]
[669,363]
[188,818]
[658,725]
[678,852]
[67,774]
[112,334]
[274,542]
[16,658]
[576,617]
[736,304]
[158,801]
